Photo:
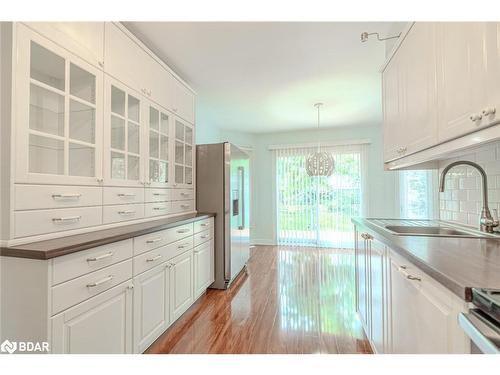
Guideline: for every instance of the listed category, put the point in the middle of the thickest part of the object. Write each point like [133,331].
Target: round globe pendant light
[320,163]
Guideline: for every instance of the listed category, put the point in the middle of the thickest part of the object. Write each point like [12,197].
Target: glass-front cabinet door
[58,114]
[124,123]
[184,154]
[159,135]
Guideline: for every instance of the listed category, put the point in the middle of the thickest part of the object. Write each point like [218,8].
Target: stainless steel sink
[428,231]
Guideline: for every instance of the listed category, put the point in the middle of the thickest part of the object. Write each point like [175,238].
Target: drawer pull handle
[100,257]
[66,196]
[185,194]
[154,258]
[126,212]
[205,236]
[160,194]
[204,224]
[410,277]
[153,240]
[126,195]
[183,246]
[66,219]
[159,208]
[183,231]
[100,282]
[184,205]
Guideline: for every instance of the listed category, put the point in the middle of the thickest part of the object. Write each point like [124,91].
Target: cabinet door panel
[184,102]
[392,103]
[362,281]
[101,325]
[58,114]
[181,284]
[202,268]
[378,299]
[151,306]
[461,76]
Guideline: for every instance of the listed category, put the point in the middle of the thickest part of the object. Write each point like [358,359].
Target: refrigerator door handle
[242,190]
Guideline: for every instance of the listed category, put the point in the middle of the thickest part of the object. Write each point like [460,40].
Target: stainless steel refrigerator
[222,187]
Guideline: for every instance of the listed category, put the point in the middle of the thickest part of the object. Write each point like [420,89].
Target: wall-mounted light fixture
[365,36]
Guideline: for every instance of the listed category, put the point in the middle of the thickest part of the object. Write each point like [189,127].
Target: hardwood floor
[291,300]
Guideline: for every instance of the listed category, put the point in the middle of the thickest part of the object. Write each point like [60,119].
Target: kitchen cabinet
[184,154]
[85,39]
[102,324]
[410,94]
[151,306]
[362,279]
[59,114]
[203,269]
[123,135]
[439,88]
[93,111]
[181,284]
[160,140]
[401,308]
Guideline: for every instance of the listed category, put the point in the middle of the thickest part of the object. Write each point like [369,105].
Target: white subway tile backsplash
[462,200]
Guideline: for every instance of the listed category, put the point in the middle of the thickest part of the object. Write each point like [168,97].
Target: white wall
[381,184]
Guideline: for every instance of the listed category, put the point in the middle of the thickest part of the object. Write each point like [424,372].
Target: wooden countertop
[460,264]
[66,245]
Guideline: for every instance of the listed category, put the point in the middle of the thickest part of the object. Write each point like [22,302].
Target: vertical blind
[317,211]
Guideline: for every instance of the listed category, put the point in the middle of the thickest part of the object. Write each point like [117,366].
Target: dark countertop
[458,263]
[66,245]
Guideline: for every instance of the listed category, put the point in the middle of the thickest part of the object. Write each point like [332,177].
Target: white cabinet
[58,119]
[183,154]
[102,324]
[123,135]
[410,94]
[402,309]
[159,170]
[462,73]
[181,284]
[424,315]
[85,39]
[203,267]
[151,306]
[183,101]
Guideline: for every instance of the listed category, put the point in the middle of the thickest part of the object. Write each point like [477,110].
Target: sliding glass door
[317,211]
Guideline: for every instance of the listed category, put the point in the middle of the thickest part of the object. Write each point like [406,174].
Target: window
[317,211]
[418,194]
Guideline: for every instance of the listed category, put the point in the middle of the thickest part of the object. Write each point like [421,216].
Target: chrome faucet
[486,221]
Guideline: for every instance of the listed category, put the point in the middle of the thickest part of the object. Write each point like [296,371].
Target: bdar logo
[8,347]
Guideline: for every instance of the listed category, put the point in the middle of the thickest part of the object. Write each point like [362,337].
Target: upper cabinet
[441,84]
[59,114]
[85,39]
[184,154]
[126,61]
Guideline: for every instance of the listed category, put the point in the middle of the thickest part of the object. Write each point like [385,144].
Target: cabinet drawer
[158,195]
[122,212]
[30,223]
[74,265]
[160,238]
[157,209]
[75,291]
[30,197]
[203,224]
[182,194]
[154,257]
[122,195]
[203,237]
[182,206]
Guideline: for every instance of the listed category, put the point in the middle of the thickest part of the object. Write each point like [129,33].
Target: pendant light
[320,163]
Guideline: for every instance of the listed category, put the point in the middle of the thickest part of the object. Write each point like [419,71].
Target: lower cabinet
[402,309]
[102,324]
[203,269]
[151,306]
[181,284]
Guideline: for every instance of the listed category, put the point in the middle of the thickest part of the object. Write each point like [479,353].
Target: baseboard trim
[262,241]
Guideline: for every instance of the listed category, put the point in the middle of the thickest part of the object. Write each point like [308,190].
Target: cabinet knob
[101,64]
[475,117]
[415,278]
[131,286]
[489,111]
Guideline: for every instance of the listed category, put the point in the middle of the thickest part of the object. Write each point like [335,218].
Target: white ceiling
[265,77]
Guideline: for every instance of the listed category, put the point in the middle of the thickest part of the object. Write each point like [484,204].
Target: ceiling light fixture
[320,163]
[365,36]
